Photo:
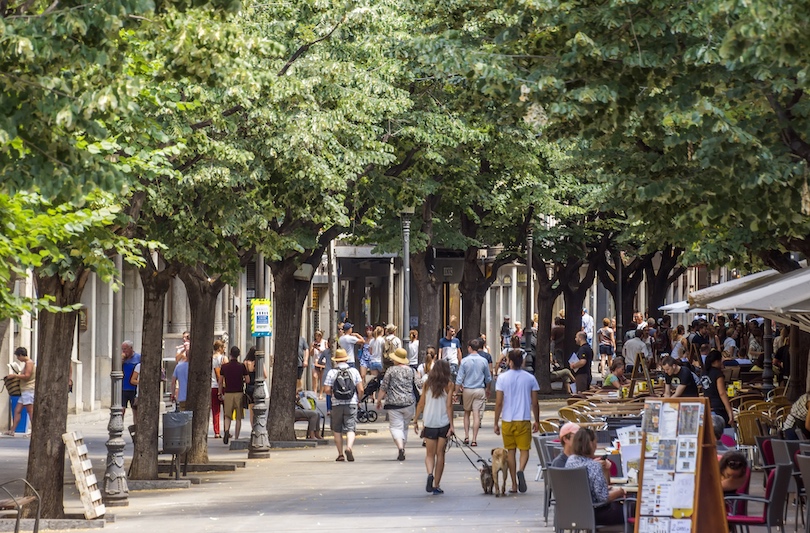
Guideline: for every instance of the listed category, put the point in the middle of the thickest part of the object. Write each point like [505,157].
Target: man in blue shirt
[449,348]
[472,382]
[129,359]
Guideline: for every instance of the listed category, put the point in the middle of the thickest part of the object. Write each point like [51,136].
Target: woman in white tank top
[437,404]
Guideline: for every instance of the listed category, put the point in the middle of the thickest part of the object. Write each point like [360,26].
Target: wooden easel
[707,513]
[640,370]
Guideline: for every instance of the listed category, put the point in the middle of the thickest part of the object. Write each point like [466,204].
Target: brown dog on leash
[499,465]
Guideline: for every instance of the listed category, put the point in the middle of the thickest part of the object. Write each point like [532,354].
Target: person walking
[232,378]
[397,388]
[449,348]
[250,384]
[582,365]
[27,377]
[217,360]
[129,359]
[179,387]
[413,349]
[472,383]
[587,325]
[515,403]
[436,403]
[345,385]
[325,359]
[607,344]
[348,340]
[318,346]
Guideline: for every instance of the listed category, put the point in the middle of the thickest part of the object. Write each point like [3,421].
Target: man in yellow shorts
[515,401]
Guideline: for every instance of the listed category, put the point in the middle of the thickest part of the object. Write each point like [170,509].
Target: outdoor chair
[774,502]
[747,431]
[574,508]
[548,426]
[545,452]
[783,453]
[13,505]
[570,414]
[766,461]
[804,469]
[616,469]
[776,391]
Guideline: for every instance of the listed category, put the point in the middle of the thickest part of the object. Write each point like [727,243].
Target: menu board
[678,449]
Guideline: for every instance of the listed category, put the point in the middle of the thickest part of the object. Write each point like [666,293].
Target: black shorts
[128,397]
[300,371]
[605,349]
[436,433]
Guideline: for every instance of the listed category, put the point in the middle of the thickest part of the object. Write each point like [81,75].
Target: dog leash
[459,444]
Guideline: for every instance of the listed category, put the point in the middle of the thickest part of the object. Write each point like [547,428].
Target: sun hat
[399,356]
[340,356]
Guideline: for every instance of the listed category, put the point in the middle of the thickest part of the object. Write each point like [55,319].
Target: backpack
[389,348]
[663,343]
[343,388]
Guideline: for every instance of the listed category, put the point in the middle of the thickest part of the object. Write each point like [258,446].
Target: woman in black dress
[714,386]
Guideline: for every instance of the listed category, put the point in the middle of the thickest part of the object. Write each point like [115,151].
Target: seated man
[305,411]
[559,373]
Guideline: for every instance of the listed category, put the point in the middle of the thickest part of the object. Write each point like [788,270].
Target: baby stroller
[364,414]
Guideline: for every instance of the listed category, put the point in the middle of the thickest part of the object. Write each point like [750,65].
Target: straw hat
[400,356]
[340,356]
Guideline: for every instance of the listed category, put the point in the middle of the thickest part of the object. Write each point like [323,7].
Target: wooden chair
[548,426]
[747,431]
[775,392]
[781,401]
[17,499]
[570,414]
[737,401]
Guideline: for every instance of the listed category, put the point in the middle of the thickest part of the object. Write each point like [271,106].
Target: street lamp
[767,365]
[259,442]
[116,491]
[528,332]
[406,213]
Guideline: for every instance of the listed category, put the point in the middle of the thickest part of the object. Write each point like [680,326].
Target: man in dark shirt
[701,337]
[582,366]
[232,378]
[679,377]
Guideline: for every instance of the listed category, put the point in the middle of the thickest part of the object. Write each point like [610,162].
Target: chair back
[803,462]
[616,469]
[547,426]
[574,509]
[765,447]
[782,455]
[741,507]
[804,448]
[776,492]
[747,428]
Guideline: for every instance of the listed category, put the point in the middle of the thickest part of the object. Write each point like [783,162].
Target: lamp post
[116,491]
[619,306]
[406,213]
[767,366]
[259,442]
[528,332]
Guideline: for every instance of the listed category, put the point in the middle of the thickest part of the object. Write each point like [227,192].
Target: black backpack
[343,388]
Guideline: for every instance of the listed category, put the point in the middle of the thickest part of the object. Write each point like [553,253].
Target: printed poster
[689,419]
[651,416]
[682,495]
[652,524]
[668,424]
[687,454]
[680,526]
[667,456]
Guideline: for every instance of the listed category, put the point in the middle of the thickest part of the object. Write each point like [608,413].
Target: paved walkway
[297,490]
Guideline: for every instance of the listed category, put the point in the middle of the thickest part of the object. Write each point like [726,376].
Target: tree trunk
[429,290]
[545,319]
[155,286]
[6,322]
[202,296]
[574,287]
[799,348]
[288,302]
[46,456]
[632,276]
[658,282]
[473,288]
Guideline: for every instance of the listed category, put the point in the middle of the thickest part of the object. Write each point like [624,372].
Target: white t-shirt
[587,324]
[517,387]
[329,380]
[413,352]
[347,342]
[375,348]
[217,361]
[137,371]
[633,347]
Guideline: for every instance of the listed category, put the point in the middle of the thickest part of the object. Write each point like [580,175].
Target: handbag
[416,393]
[12,385]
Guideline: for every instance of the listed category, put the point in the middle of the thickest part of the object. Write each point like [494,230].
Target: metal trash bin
[177,436]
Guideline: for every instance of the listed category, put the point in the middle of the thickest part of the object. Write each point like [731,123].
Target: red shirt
[233,373]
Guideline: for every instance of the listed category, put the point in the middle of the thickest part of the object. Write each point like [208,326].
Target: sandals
[466,440]
[340,458]
[349,456]
[521,478]
[473,444]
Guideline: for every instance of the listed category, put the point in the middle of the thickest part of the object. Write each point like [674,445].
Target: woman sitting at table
[733,467]
[714,386]
[797,418]
[616,378]
[607,510]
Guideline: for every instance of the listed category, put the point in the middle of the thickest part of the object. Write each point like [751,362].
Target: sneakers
[226,437]
[401,456]
[437,491]
[521,481]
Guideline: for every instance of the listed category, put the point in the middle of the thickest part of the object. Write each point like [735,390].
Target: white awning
[782,297]
[683,307]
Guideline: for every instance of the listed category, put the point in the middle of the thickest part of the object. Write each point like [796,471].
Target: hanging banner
[261,316]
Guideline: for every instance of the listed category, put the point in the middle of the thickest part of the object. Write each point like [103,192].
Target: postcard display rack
[679,479]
